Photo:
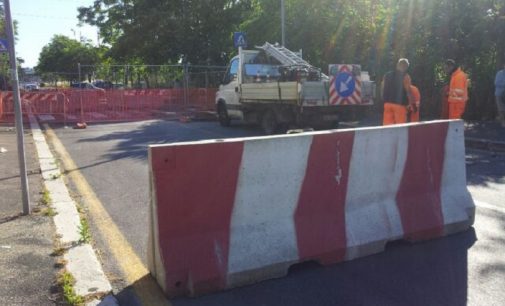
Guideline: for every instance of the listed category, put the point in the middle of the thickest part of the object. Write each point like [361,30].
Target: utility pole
[17,109]
[283,19]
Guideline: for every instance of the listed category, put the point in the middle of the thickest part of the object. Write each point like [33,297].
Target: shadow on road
[430,273]
[133,143]
[485,130]
[484,168]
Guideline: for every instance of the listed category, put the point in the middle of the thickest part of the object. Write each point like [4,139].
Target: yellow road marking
[132,267]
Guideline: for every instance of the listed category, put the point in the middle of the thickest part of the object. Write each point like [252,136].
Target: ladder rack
[284,55]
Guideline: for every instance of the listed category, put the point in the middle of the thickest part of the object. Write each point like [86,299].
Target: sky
[39,20]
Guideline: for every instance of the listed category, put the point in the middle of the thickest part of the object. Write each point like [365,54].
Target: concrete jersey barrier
[232,212]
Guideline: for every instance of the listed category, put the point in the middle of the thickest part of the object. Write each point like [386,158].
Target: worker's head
[450,65]
[402,65]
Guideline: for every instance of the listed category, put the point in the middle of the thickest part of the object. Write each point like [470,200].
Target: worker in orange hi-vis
[396,93]
[458,89]
[414,105]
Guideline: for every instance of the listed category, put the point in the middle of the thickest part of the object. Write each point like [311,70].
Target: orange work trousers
[394,113]
[414,116]
[456,109]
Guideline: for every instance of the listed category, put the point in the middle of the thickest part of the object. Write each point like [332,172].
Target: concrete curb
[484,144]
[81,260]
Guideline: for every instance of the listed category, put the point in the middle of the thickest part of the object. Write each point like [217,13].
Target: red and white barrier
[234,212]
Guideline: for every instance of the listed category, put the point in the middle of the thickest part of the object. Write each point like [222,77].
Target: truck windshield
[233,68]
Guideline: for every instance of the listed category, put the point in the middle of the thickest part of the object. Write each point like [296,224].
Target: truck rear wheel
[222,115]
[269,123]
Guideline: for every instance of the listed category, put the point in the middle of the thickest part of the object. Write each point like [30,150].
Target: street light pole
[283,33]
[17,109]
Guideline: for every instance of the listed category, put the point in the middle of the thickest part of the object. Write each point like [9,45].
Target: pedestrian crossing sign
[239,40]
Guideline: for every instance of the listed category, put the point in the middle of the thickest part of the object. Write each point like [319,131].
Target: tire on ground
[222,114]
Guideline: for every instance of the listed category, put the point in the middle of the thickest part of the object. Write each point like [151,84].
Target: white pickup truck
[274,87]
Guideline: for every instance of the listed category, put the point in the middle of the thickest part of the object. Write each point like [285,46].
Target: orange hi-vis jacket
[416,95]
[458,87]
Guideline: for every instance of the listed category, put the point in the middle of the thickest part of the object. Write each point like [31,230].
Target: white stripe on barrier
[377,164]
[269,183]
[454,191]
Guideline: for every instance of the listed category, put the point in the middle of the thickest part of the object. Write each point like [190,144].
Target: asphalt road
[463,269]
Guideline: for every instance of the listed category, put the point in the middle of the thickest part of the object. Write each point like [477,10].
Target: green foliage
[62,55]
[67,281]
[163,32]
[4,57]
[49,212]
[84,232]
[373,33]
[46,197]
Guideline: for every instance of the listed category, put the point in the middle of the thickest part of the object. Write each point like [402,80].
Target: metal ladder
[283,55]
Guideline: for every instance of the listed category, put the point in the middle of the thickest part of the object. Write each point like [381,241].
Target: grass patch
[46,197]
[55,176]
[49,212]
[67,281]
[84,233]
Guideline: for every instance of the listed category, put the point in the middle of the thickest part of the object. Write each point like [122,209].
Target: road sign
[4,45]
[239,40]
[345,86]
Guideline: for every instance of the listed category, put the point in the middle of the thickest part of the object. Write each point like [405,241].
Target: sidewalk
[27,269]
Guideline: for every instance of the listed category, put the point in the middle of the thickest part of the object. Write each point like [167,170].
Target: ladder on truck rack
[283,55]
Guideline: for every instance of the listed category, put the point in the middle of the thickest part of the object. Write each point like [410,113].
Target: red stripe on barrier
[419,193]
[195,185]
[320,215]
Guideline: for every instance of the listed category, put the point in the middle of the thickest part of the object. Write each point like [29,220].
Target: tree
[161,32]
[61,56]
[373,33]
[4,57]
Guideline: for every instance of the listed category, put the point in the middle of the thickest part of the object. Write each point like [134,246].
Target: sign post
[17,108]
[240,41]
[283,21]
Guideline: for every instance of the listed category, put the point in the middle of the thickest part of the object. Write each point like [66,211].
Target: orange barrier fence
[41,103]
[76,105]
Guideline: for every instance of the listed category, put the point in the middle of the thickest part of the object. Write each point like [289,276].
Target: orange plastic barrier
[75,105]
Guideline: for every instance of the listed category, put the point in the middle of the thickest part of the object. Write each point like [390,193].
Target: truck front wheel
[269,123]
[222,115]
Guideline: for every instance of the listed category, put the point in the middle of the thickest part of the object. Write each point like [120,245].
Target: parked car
[86,85]
[31,87]
[103,84]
